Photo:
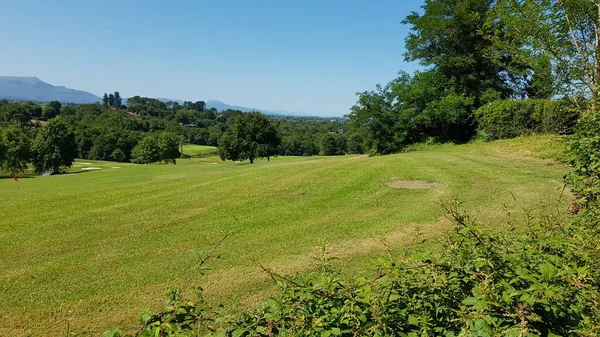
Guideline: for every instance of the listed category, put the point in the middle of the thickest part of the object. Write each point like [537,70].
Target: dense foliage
[252,135]
[478,52]
[146,131]
[54,147]
[511,118]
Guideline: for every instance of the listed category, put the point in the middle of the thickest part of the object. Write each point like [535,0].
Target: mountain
[34,89]
[223,106]
[20,88]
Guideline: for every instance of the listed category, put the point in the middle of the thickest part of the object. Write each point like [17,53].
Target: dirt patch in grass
[414,184]
[299,193]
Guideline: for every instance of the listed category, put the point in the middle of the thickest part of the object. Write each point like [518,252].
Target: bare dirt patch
[414,184]
[299,193]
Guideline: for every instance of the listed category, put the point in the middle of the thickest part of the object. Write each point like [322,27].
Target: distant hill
[21,88]
[34,89]
[223,106]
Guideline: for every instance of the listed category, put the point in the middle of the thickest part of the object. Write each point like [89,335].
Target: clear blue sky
[300,56]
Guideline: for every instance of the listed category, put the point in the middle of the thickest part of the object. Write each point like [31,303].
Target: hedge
[512,118]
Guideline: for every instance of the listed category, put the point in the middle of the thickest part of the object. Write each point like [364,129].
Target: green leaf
[112,333]
[548,271]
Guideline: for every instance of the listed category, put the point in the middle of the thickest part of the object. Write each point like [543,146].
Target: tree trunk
[56,170]
[251,160]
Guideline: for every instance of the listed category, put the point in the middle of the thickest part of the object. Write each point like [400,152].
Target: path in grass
[90,248]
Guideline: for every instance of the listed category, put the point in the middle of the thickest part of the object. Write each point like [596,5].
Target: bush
[585,176]
[503,119]
[118,155]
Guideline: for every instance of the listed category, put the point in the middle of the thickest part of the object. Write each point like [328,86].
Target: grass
[87,249]
[195,150]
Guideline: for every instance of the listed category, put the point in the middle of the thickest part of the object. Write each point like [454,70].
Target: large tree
[147,151]
[567,32]
[17,150]
[459,39]
[54,147]
[252,135]
[169,147]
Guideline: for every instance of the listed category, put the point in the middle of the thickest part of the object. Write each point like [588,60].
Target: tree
[105,100]
[118,155]
[15,144]
[333,145]
[54,147]
[251,136]
[20,115]
[566,31]
[118,101]
[356,143]
[67,110]
[51,110]
[169,147]
[111,100]
[472,46]
[147,151]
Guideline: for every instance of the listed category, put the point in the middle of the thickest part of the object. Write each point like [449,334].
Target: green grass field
[88,249]
[194,150]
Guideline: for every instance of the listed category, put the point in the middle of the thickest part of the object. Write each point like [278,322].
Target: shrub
[118,155]
[503,119]
[585,176]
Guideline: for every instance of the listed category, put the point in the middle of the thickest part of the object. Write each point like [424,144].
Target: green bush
[584,179]
[503,119]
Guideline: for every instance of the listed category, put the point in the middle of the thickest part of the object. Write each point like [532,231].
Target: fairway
[195,150]
[87,249]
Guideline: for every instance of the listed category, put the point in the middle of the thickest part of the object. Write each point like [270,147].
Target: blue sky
[298,56]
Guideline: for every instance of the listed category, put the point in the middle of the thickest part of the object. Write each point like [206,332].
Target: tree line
[147,130]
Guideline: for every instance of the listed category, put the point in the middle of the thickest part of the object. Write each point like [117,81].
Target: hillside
[127,237]
[34,89]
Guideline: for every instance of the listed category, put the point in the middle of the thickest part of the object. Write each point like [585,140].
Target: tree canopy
[252,135]
[54,147]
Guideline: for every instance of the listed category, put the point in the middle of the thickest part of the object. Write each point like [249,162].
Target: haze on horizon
[301,56]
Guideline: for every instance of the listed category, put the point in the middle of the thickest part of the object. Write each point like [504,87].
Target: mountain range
[21,88]
[33,89]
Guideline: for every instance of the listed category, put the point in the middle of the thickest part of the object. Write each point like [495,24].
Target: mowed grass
[88,249]
[194,150]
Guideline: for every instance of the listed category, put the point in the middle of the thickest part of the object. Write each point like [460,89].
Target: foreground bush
[535,279]
[512,118]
